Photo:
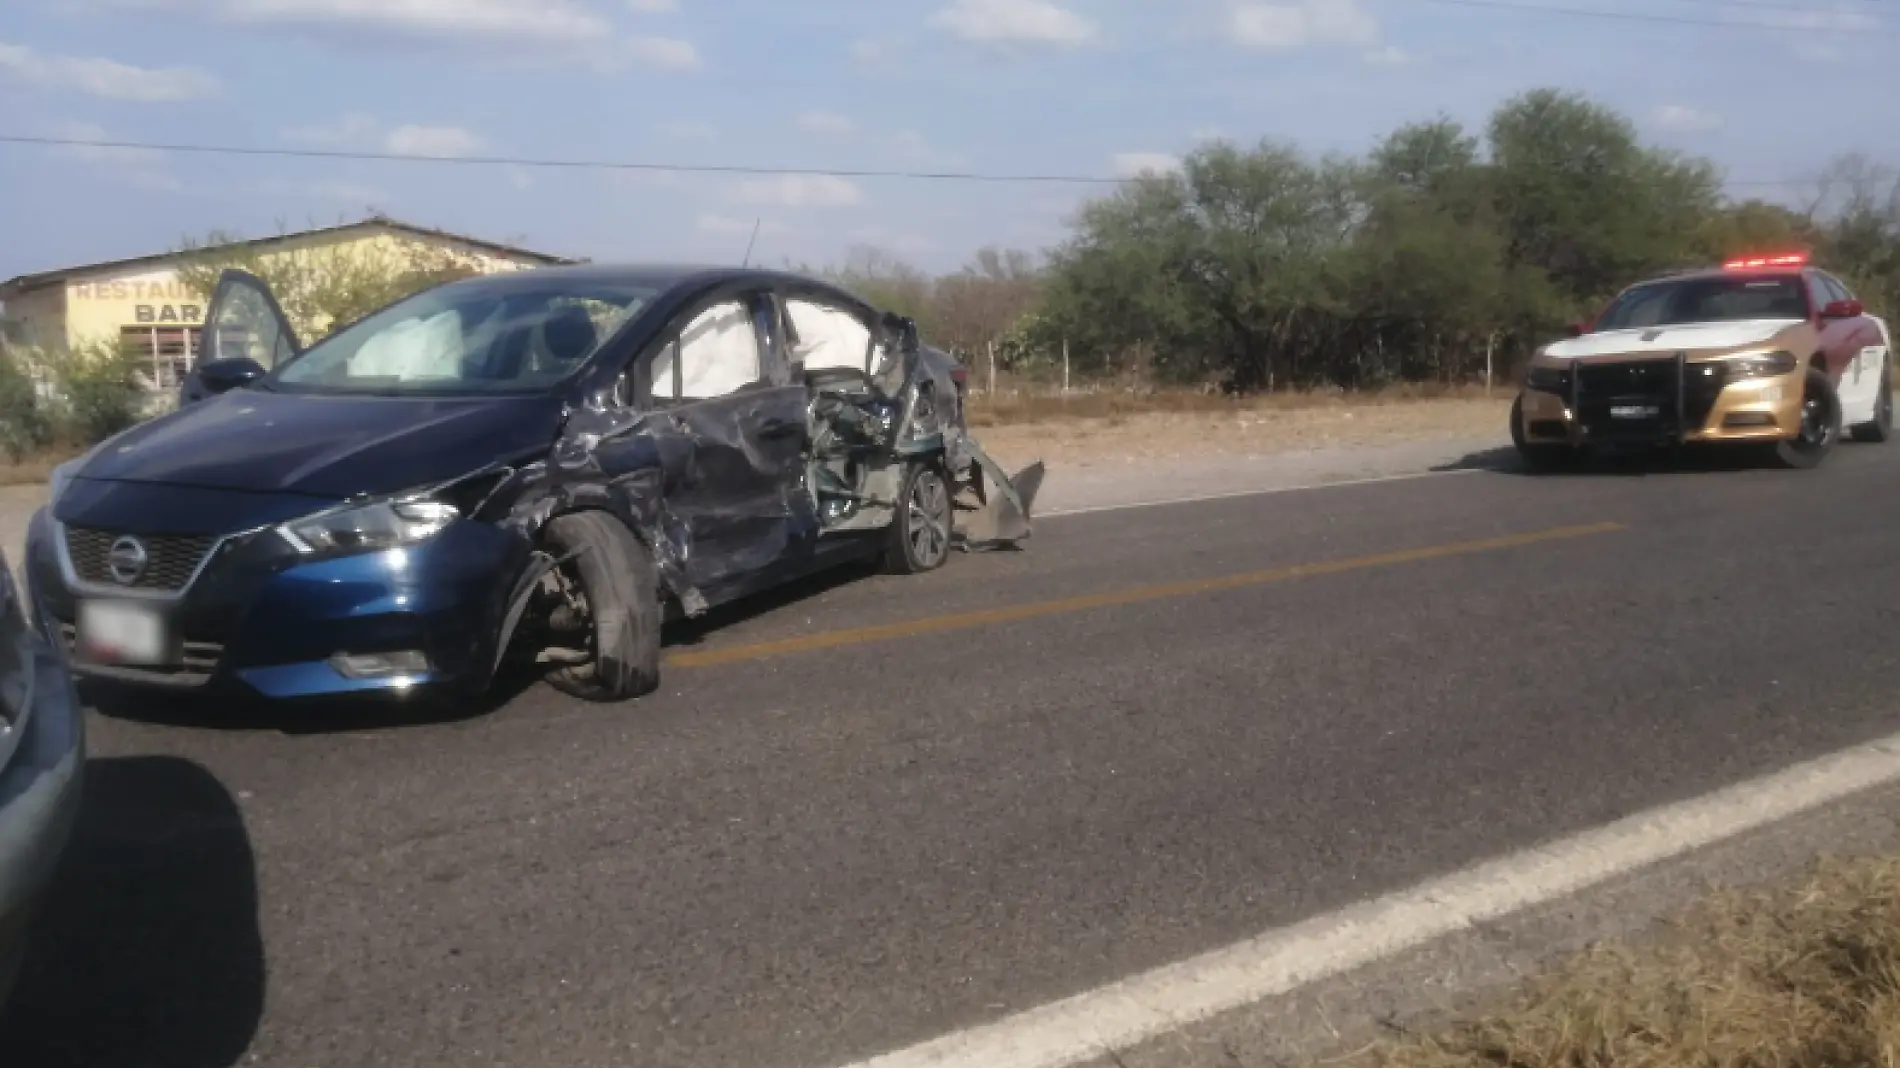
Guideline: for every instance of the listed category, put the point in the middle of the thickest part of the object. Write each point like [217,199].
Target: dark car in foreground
[42,755]
[538,465]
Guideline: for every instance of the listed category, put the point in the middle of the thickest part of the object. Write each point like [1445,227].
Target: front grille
[198,662]
[171,560]
[1603,386]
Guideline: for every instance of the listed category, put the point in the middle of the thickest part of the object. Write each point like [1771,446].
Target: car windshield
[1707,300]
[506,338]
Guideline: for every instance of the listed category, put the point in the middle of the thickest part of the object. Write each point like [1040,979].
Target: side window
[1836,289]
[715,354]
[827,337]
[1822,290]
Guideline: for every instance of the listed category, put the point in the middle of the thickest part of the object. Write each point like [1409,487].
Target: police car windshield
[1707,300]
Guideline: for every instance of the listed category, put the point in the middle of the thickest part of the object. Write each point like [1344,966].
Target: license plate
[1635,411]
[123,632]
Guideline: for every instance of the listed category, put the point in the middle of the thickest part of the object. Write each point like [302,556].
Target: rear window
[1707,300]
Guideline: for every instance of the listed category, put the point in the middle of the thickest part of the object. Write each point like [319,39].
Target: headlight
[1547,378]
[369,528]
[1760,365]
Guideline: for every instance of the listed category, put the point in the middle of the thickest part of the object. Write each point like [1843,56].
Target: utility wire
[615,165]
[1676,20]
[570,164]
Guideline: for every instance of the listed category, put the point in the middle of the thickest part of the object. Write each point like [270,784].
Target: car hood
[326,446]
[1688,337]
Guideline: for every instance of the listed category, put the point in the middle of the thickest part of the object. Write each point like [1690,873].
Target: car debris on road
[538,465]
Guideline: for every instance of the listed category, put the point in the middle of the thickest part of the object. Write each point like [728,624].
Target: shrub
[101,391]
[26,421]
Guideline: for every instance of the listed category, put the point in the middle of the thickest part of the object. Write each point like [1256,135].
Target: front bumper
[264,618]
[1704,411]
[39,801]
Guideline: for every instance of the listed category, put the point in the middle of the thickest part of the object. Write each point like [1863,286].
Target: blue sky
[1088,87]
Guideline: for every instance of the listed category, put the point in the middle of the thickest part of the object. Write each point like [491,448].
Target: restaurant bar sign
[154,302]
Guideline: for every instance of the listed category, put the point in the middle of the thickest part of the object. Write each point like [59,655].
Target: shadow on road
[147,951]
[694,631]
[1686,461]
[241,712]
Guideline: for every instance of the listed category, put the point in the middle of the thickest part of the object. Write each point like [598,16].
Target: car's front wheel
[1820,425]
[610,598]
[1880,428]
[920,531]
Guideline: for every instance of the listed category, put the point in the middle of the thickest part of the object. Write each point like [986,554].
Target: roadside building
[143,304]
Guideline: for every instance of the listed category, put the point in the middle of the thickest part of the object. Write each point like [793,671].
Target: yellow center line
[1115,598]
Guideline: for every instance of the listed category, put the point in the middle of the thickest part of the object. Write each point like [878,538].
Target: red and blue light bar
[1792,259]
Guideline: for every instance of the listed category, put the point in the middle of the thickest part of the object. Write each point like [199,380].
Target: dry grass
[1801,979]
[34,468]
[1016,408]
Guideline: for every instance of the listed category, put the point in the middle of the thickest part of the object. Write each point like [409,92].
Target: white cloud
[496,20]
[799,191]
[1014,21]
[827,123]
[437,141]
[1298,25]
[353,128]
[728,224]
[358,130]
[104,78]
[666,54]
[1838,18]
[1389,56]
[1135,164]
[654,7]
[1684,117]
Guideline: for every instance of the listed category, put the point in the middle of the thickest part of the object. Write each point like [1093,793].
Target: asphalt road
[891,807]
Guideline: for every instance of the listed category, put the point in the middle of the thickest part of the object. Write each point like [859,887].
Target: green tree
[323,287]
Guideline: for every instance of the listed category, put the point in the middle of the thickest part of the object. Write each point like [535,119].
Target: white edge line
[1231,494]
[1116,1016]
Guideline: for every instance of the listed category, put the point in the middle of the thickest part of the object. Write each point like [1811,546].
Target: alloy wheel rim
[927,529]
[1815,430]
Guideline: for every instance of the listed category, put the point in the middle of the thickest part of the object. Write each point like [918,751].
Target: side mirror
[1841,309]
[1574,330]
[213,377]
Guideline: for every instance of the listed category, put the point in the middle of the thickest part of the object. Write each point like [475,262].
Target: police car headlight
[1760,365]
[1547,378]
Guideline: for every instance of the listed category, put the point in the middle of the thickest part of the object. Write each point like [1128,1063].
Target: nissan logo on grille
[126,560]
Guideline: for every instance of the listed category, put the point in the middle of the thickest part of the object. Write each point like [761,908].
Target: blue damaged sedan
[534,467]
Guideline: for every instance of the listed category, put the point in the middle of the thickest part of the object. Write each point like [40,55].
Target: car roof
[1764,271]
